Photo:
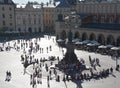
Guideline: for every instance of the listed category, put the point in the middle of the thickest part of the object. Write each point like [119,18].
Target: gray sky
[25,1]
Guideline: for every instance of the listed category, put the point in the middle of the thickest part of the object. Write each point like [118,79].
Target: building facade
[49,18]
[99,22]
[7,15]
[102,12]
[99,19]
[28,18]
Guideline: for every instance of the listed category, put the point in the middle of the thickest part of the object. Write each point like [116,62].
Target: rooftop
[6,2]
[63,4]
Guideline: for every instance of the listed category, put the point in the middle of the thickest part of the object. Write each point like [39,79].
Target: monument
[70,56]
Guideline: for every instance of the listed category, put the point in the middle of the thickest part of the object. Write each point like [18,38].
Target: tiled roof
[72,2]
[63,4]
[6,2]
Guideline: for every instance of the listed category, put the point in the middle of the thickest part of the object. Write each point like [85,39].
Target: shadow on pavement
[78,83]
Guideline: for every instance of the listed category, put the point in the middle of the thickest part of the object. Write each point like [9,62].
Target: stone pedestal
[70,57]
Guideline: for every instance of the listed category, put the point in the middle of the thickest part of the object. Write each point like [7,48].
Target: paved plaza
[11,61]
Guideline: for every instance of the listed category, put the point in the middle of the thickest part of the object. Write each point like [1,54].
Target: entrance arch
[101,39]
[92,37]
[39,29]
[110,40]
[84,36]
[30,30]
[118,41]
[77,35]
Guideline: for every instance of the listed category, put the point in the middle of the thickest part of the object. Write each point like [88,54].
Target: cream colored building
[103,36]
[98,7]
[100,21]
[7,15]
[28,18]
[105,12]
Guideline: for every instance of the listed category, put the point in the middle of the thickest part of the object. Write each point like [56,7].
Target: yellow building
[48,18]
[51,12]
[28,18]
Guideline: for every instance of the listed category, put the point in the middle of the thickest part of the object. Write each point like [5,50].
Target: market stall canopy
[60,40]
[90,44]
[109,46]
[115,48]
[76,40]
[102,47]
[79,43]
[97,44]
[93,41]
[86,41]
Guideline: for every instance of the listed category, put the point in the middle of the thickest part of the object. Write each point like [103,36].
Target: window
[102,19]
[10,24]
[111,20]
[24,21]
[19,29]
[29,20]
[4,23]
[39,21]
[3,8]
[3,15]
[34,21]
[10,16]
[10,8]
[95,19]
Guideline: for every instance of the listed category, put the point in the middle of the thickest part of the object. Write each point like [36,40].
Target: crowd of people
[29,49]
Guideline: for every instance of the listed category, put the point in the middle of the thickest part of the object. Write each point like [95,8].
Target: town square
[60,44]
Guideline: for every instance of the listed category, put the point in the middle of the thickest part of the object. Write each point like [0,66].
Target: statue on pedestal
[70,57]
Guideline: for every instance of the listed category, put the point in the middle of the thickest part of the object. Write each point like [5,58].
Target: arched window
[92,37]
[110,40]
[77,35]
[84,36]
[101,39]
